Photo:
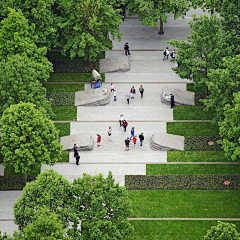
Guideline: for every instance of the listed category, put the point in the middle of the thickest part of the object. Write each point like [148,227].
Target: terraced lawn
[185,203]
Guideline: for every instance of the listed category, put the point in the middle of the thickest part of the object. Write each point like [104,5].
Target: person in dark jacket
[126,48]
[77,159]
[125,125]
[141,137]
[172,100]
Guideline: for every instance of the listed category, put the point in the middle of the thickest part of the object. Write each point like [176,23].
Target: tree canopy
[230,128]
[20,82]
[97,203]
[150,11]
[86,25]
[41,13]
[223,231]
[28,137]
[203,51]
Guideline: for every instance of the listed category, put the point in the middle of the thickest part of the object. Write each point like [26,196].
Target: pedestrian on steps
[141,137]
[115,95]
[111,88]
[132,133]
[121,118]
[141,91]
[165,53]
[127,96]
[126,49]
[98,140]
[110,133]
[127,142]
[125,125]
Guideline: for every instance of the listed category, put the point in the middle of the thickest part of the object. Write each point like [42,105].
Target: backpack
[164,52]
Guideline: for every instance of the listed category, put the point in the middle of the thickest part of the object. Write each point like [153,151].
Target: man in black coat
[172,100]
[126,48]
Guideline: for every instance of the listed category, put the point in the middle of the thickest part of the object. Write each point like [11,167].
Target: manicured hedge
[13,182]
[200,143]
[198,97]
[182,182]
[61,98]
[73,66]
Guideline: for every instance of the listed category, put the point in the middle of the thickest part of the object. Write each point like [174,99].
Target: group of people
[166,54]
[129,95]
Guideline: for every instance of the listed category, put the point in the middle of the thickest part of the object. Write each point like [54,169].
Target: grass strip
[64,87]
[64,113]
[73,77]
[196,156]
[13,182]
[172,230]
[9,171]
[190,87]
[185,203]
[193,128]
[64,129]
[191,113]
[221,169]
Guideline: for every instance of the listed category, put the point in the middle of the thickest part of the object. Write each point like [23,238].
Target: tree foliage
[203,51]
[99,205]
[150,11]
[20,82]
[41,13]
[223,83]
[230,129]
[223,231]
[86,25]
[28,137]
[17,37]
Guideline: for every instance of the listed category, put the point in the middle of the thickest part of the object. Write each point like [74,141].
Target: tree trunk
[161,32]
[206,91]
[25,178]
[212,11]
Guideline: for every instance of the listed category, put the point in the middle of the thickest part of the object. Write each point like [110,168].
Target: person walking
[132,91]
[126,48]
[127,143]
[132,133]
[121,118]
[75,148]
[110,133]
[172,100]
[165,53]
[141,137]
[115,95]
[125,125]
[111,88]
[134,140]
[77,158]
[127,96]
[98,140]
[173,54]
[141,91]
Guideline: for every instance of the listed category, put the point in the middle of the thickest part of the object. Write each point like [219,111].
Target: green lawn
[56,55]
[196,156]
[73,77]
[64,113]
[9,171]
[173,230]
[190,87]
[193,128]
[64,87]
[188,169]
[64,129]
[185,203]
[191,113]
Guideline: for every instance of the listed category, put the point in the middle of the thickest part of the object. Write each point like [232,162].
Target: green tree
[208,5]
[223,231]
[28,137]
[223,83]
[41,13]
[103,207]
[86,26]
[203,51]
[20,82]
[230,128]
[17,37]
[150,11]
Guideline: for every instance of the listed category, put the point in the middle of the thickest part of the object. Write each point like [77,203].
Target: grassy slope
[64,87]
[185,203]
[73,77]
[64,113]
[161,169]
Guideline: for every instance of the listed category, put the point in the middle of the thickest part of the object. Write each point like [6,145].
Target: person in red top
[134,140]
[98,140]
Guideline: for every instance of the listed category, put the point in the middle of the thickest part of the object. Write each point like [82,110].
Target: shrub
[182,182]
[61,98]
[200,143]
